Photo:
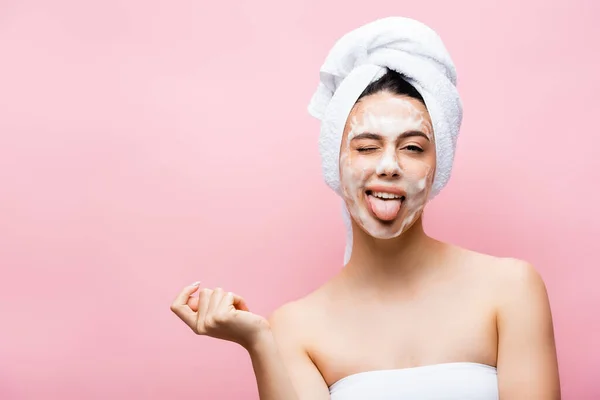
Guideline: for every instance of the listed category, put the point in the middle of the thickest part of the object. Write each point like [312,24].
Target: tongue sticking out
[385,210]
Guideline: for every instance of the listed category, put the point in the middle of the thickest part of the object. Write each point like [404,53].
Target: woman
[408,316]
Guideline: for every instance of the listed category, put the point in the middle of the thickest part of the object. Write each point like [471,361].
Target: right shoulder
[287,328]
[289,317]
[295,328]
[297,320]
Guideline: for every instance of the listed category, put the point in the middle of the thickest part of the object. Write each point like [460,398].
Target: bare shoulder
[526,359]
[297,319]
[504,272]
[515,277]
[513,283]
[520,289]
[288,317]
[515,271]
[293,331]
[504,281]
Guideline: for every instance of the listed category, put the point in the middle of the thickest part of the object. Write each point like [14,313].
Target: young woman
[408,317]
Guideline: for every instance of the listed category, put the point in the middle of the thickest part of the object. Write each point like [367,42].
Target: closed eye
[365,149]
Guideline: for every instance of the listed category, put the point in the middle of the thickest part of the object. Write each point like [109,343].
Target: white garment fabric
[362,56]
[450,381]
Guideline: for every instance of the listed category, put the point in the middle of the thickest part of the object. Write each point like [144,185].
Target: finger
[193,303]
[185,294]
[182,310]
[203,300]
[186,315]
[215,299]
[239,303]
[226,304]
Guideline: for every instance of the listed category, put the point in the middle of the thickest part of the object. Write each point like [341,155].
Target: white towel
[360,57]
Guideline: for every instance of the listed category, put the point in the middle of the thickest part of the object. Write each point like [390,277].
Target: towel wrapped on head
[361,57]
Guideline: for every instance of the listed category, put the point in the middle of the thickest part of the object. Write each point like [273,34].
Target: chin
[382,229]
[385,235]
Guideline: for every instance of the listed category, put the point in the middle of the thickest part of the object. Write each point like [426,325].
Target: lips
[385,189]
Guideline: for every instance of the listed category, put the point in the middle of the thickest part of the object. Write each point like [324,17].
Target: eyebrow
[375,136]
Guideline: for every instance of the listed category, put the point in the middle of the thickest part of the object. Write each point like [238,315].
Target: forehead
[391,107]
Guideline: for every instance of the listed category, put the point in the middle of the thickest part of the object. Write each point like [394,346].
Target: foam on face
[386,163]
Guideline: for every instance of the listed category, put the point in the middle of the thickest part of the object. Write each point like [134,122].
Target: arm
[283,370]
[527,362]
[282,367]
[285,374]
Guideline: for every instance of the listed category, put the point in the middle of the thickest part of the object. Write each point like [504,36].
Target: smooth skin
[399,303]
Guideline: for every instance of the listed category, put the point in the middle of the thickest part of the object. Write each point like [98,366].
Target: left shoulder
[526,361]
[517,279]
[526,355]
[508,280]
[504,273]
[520,296]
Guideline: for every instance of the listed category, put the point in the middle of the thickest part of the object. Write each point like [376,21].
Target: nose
[388,166]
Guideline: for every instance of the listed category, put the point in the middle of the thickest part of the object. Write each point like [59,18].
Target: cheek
[417,170]
[355,171]
[419,177]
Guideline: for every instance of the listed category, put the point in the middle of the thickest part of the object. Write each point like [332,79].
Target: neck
[406,259]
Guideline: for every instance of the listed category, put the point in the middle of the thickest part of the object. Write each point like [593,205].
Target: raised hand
[219,314]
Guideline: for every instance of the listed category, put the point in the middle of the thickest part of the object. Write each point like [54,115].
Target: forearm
[272,378]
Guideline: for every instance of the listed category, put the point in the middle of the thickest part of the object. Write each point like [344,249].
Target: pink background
[148,144]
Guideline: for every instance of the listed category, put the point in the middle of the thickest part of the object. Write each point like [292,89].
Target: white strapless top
[448,381]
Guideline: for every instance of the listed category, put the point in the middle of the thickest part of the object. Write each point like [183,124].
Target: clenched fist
[219,314]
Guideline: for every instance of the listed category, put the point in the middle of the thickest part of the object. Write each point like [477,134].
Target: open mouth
[384,205]
[385,196]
